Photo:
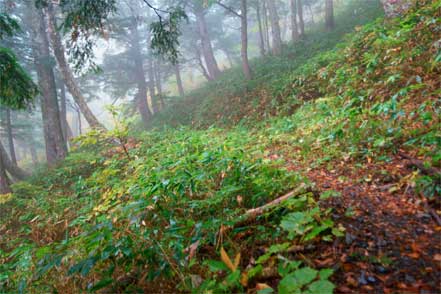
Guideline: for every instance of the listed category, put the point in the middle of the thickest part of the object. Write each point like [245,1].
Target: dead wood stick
[255,212]
[431,171]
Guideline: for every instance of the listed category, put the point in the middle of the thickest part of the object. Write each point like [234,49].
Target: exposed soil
[392,242]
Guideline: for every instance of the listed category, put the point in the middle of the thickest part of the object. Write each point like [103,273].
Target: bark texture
[56,148]
[152,82]
[141,96]
[260,26]
[156,103]
[179,80]
[63,113]
[294,25]
[10,135]
[207,48]
[204,71]
[266,26]
[4,180]
[275,27]
[301,19]
[66,72]
[329,15]
[10,167]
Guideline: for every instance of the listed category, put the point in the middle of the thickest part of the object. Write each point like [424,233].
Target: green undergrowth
[165,211]
[380,95]
[135,216]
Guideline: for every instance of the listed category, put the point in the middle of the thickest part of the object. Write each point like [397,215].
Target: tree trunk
[244,39]
[266,26]
[10,136]
[151,83]
[179,80]
[311,13]
[10,167]
[261,38]
[33,153]
[4,180]
[63,113]
[294,26]
[329,15]
[301,20]
[158,79]
[80,127]
[56,148]
[275,27]
[141,96]
[70,134]
[66,72]
[207,49]
[202,66]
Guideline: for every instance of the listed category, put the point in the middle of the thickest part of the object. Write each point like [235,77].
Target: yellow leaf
[226,259]
[244,279]
[261,286]
[237,261]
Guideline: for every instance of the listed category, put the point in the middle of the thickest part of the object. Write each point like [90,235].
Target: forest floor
[354,131]
[392,240]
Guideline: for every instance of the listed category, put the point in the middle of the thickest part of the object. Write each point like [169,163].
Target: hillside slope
[353,138]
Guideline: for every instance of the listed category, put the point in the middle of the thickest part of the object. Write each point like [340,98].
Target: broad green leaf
[305,275]
[216,266]
[322,287]
[324,274]
[293,283]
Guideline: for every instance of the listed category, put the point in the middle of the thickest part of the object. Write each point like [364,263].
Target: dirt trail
[392,244]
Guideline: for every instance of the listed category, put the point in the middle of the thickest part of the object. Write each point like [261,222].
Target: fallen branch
[413,162]
[255,212]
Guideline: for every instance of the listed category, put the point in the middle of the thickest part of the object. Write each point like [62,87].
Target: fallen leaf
[323,263]
[351,281]
[226,259]
[437,257]
[192,249]
[244,279]
[414,255]
[402,286]
[261,286]
[236,261]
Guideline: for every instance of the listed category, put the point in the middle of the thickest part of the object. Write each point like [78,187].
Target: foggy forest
[220,146]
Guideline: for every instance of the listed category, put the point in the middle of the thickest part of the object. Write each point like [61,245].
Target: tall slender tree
[244,39]
[56,148]
[266,25]
[275,27]
[65,70]
[4,180]
[10,135]
[294,25]
[67,131]
[260,26]
[329,15]
[207,48]
[141,96]
[243,15]
[179,80]
[152,81]
[157,69]
[301,18]
[200,62]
